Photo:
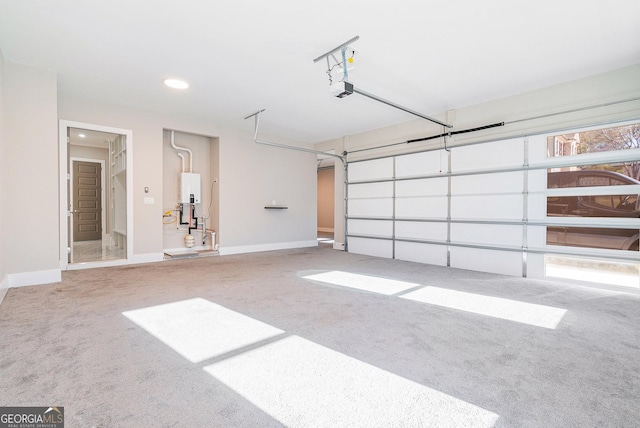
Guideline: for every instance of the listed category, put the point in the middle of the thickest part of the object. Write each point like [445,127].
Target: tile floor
[92,251]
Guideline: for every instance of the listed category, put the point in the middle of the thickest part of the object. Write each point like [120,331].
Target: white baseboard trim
[185,249]
[98,264]
[3,288]
[34,278]
[338,245]
[325,229]
[146,258]
[225,251]
[136,259]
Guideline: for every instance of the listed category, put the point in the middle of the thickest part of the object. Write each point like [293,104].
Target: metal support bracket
[256,115]
[336,49]
[342,48]
[399,107]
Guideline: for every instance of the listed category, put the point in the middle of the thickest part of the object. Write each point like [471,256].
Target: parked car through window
[605,205]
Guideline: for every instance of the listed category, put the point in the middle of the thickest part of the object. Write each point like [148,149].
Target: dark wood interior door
[87,205]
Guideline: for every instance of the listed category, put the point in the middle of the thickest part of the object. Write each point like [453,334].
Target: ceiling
[243,56]
[90,138]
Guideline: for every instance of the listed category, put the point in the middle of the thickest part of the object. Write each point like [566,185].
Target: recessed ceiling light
[81,135]
[176,83]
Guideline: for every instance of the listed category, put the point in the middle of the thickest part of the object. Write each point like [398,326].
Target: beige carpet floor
[81,344]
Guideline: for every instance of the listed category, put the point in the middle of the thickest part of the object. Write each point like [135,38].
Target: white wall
[250,176]
[147,158]
[253,176]
[3,226]
[30,166]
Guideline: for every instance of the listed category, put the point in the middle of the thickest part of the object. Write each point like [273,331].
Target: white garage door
[497,206]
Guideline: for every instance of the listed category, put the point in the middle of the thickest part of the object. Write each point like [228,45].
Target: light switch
[149,200]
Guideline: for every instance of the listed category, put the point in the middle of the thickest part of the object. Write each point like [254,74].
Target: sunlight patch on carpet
[362,282]
[303,384]
[198,329]
[512,310]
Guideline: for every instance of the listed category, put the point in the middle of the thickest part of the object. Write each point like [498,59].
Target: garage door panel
[493,261]
[487,207]
[488,155]
[427,207]
[431,231]
[371,207]
[371,190]
[420,164]
[422,187]
[371,170]
[506,182]
[371,247]
[420,202]
[370,227]
[422,253]
[489,234]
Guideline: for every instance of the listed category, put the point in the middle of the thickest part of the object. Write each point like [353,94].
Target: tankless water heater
[189,188]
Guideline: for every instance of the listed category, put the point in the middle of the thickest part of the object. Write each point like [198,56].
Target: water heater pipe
[186,149]
[181,156]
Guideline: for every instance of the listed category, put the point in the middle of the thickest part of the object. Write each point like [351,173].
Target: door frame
[63,167]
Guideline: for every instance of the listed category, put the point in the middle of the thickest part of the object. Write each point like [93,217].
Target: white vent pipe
[173,144]
[181,156]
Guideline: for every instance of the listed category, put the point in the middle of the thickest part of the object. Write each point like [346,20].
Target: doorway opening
[95,165]
[326,201]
